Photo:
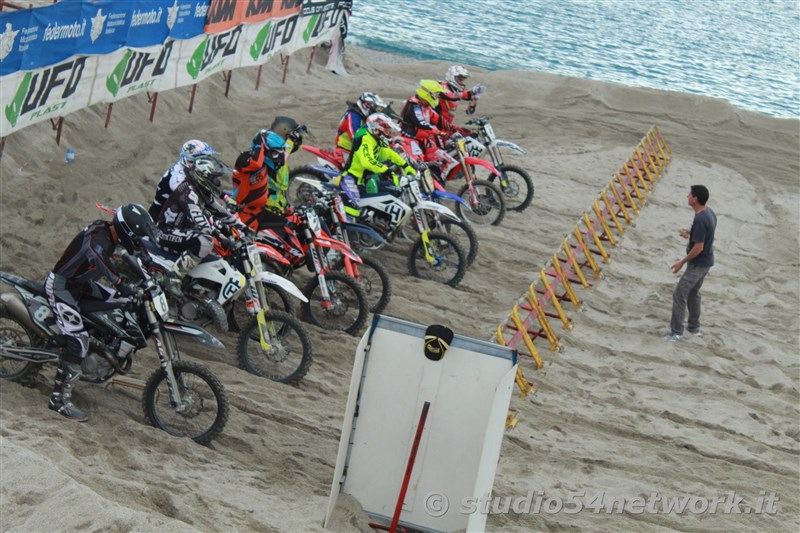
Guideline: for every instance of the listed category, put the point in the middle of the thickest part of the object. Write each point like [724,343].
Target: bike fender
[363,228]
[447,195]
[511,146]
[283,283]
[482,163]
[439,208]
[327,170]
[16,308]
[325,242]
[271,253]
[205,338]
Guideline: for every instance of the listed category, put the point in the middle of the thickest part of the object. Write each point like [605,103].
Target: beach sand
[619,411]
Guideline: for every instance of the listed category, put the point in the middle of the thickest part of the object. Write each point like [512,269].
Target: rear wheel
[518,191]
[13,332]
[487,206]
[299,193]
[445,261]
[287,355]
[347,308]
[202,411]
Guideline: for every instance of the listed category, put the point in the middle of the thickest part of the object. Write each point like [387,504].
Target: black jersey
[87,256]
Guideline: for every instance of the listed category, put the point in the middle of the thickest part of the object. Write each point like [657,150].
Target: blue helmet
[193,148]
[274,147]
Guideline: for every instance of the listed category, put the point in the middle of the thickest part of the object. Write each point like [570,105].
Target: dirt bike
[435,256]
[335,299]
[272,344]
[515,183]
[329,167]
[182,398]
[336,223]
[485,199]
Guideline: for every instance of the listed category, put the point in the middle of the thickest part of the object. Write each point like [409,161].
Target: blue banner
[36,38]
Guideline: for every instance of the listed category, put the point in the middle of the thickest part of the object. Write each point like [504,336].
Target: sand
[619,410]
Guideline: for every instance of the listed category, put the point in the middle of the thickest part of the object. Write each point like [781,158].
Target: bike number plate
[313,222]
[489,131]
[161,305]
[339,205]
[255,257]
[415,188]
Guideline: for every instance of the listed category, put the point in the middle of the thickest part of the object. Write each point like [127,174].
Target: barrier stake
[575,265]
[576,302]
[620,203]
[664,142]
[602,220]
[631,167]
[525,337]
[636,191]
[311,59]
[595,238]
[285,67]
[550,293]
[628,196]
[542,318]
[524,385]
[586,252]
[610,209]
[108,113]
[258,76]
[640,155]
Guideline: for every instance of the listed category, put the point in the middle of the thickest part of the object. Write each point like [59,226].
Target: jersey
[419,121]
[86,258]
[173,177]
[369,156]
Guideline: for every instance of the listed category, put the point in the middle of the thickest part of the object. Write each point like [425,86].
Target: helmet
[382,128]
[206,174]
[369,103]
[429,91]
[456,76]
[274,150]
[283,126]
[192,149]
[132,222]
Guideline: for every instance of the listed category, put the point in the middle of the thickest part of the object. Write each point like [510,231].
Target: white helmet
[456,77]
[382,128]
[191,149]
[369,103]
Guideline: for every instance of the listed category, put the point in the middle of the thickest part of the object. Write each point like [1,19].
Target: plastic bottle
[70,155]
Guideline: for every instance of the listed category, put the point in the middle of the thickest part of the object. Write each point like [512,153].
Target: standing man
[700,259]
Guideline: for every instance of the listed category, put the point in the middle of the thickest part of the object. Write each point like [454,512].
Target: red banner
[226,14]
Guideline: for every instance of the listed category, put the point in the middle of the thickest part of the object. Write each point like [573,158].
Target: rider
[261,175]
[74,276]
[183,226]
[454,83]
[177,173]
[353,120]
[420,121]
[371,152]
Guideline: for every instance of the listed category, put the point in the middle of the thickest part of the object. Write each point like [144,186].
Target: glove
[477,90]
[125,290]
[230,204]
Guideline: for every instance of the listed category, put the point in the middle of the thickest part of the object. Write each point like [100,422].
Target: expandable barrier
[578,260]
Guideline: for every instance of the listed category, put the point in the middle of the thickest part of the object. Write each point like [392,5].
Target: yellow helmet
[430,90]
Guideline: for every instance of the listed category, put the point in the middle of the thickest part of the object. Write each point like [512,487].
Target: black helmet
[132,222]
[206,174]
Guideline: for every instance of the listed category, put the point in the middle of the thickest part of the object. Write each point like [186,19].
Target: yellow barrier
[621,199]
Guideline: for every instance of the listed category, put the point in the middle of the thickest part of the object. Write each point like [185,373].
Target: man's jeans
[687,293]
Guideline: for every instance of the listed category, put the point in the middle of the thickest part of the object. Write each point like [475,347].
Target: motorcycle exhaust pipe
[31,355]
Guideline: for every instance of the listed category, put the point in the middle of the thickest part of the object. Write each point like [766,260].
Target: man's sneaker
[695,333]
[67,410]
[672,337]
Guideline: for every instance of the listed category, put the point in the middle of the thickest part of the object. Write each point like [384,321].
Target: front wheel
[375,281]
[485,201]
[286,354]
[298,192]
[462,231]
[518,190]
[444,260]
[346,308]
[201,411]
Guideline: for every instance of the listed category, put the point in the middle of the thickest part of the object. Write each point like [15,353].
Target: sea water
[744,51]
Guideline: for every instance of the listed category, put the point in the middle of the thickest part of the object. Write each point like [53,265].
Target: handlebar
[482,121]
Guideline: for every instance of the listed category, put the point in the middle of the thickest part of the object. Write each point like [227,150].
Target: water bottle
[70,155]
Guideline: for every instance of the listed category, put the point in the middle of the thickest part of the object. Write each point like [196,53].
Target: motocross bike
[337,224]
[182,398]
[273,344]
[335,299]
[485,199]
[329,167]
[435,256]
[515,183]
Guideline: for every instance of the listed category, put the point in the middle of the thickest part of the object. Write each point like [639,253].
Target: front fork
[167,354]
[426,245]
[257,305]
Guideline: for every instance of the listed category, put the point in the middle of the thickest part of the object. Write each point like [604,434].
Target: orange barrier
[577,262]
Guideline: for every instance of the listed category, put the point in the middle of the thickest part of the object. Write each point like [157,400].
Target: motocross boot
[61,398]
[183,265]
